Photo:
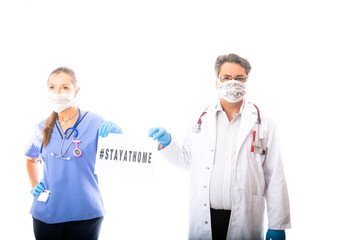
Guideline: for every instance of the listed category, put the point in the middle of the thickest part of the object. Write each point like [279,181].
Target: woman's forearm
[33,171]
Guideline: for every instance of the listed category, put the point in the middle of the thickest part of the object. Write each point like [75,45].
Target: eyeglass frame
[222,78]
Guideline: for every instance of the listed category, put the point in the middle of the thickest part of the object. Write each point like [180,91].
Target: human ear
[76,91]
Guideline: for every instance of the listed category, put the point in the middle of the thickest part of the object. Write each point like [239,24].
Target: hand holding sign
[160,134]
[108,127]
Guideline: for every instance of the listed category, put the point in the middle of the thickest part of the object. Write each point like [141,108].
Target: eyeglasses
[228,78]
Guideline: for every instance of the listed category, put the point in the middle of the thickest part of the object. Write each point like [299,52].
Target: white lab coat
[256,179]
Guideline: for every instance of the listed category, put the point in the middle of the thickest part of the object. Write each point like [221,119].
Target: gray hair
[68,71]
[231,58]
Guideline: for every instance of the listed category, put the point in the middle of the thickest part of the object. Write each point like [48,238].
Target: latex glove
[38,189]
[160,134]
[275,235]
[108,127]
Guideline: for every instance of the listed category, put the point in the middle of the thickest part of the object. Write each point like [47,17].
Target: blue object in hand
[38,189]
[108,127]
[275,235]
[160,134]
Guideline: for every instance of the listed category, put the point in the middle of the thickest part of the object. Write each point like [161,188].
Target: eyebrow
[240,75]
[65,84]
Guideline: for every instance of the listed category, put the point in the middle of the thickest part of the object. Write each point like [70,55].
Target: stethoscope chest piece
[39,159]
[197,128]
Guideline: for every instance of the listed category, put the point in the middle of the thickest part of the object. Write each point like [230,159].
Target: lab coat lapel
[248,118]
[209,120]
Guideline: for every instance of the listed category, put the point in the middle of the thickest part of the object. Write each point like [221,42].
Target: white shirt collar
[220,108]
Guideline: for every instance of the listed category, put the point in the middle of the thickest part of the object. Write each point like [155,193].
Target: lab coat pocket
[248,217]
[257,215]
[256,158]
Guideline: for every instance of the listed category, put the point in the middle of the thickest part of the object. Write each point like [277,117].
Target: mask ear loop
[74,94]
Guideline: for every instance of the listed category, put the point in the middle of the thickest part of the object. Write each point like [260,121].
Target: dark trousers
[220,223]
[76,230]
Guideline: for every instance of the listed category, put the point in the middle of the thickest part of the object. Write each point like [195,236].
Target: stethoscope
[257,142]
[76,152]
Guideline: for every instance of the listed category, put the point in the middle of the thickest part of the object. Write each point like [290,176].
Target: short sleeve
[33,146]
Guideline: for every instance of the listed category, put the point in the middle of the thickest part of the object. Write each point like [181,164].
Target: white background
[151,63]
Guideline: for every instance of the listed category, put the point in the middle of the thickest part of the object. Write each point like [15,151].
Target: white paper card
[126,155]
[43,196]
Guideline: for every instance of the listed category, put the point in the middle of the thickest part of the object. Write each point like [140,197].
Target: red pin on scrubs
[77,152]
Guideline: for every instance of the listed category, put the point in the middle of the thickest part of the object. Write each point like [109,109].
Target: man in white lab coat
[236,167]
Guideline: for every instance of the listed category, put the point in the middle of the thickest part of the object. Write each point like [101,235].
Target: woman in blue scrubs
[67,203]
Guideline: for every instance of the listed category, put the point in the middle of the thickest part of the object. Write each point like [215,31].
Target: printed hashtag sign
[102,153]
[125,155]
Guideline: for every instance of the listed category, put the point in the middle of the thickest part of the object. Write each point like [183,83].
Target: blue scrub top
[74,189]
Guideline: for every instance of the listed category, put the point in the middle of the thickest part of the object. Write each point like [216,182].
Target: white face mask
[232,91]
[60,102]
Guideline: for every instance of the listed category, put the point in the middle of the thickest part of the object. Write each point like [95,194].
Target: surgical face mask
[232,91]
[60,102]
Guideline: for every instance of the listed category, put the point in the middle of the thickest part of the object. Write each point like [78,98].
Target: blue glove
[108,127]
[161,135]
[275,235]
[38,189]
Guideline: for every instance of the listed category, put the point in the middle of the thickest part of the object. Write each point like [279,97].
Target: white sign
[125,155]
